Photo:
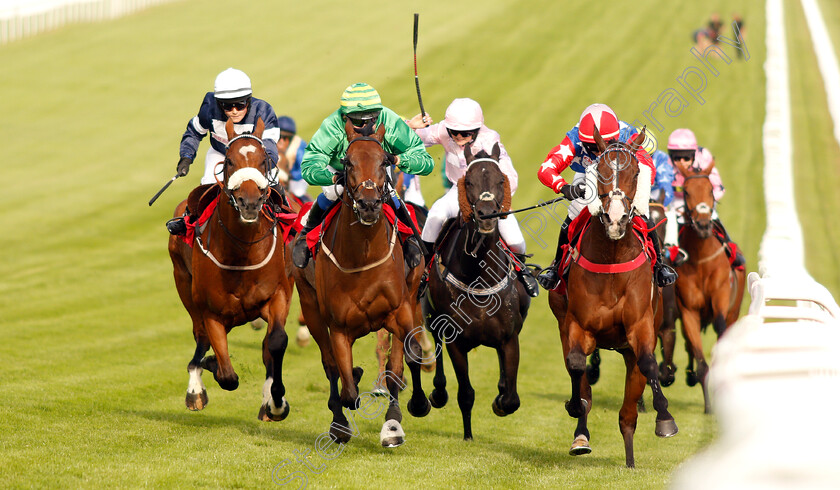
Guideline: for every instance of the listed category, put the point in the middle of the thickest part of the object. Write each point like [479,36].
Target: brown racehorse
[358,285]
[670,312]
[474,296]
[235,273]
[613,310]
[708,289]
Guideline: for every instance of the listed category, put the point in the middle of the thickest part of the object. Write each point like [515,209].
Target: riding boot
[525,276]
[729,245]
[663,273]
[412,252]
[300,252]
[549,278]
[177,226]
[428,255]
[281,193]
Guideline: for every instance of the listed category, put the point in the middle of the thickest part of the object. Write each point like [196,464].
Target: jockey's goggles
[462,133]
[286,136]
[359,119]
[229,105]
[677,155]
[593,147]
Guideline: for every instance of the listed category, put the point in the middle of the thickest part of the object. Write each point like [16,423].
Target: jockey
[579,150]
[462,124]
[231,99]
[682,145]
[361,105]
[663,189]
[293,146]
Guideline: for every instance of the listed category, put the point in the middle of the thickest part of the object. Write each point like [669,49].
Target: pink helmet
[463,115]
[682,139]
[600,116]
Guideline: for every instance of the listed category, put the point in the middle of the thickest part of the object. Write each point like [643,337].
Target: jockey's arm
[319,153]
[402,141]
[557,160]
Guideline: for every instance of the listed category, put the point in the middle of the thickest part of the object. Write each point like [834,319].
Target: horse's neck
[597,247]
[354,244]
[473,256]
[696,245]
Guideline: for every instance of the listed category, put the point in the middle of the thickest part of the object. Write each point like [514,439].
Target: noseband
[701,207]
[246,173]
[382,191]
[616,194]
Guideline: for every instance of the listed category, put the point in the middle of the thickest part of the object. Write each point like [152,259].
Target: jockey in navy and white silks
[231,97]
[578,150]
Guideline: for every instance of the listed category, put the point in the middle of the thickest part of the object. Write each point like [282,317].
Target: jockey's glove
[573,191]
[184,166]
[338,178]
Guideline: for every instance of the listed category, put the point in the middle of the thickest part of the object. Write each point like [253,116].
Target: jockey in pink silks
[682,145]
[462,124]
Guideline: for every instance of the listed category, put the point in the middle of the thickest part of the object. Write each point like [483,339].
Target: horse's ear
[380,133]
[349,129]
[229,129]
[602,147]
[259,128]
[638,140]
[497,152]
[468,155]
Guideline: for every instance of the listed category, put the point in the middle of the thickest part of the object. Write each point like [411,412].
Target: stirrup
[300,252]
[549,278]
[665,275]
[412,253]
[424,283]
[530,283]
[177,226]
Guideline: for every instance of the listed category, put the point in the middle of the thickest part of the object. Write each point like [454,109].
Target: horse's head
[615,180]
[699,196]
[484,189]
[246,166]
[365,172]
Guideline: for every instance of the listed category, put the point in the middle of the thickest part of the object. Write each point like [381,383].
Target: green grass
[96,343]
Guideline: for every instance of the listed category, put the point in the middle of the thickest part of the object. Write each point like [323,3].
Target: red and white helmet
[682,139]
[600,116]
[463,115]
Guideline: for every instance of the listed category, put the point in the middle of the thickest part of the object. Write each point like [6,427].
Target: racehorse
[611,299]
[709,290]
[237,274]
[474,297]
[358,284]
[670,312]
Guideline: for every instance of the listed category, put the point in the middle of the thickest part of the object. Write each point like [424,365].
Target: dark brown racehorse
[708,289]
[235,273]
[357,285]
[474,296]
[612,310]
[670,312]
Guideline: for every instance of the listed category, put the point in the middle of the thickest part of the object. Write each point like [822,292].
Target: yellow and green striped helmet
[360,97]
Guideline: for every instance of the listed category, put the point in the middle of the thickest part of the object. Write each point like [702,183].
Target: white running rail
[24,18]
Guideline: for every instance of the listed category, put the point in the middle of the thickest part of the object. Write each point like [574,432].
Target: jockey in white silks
[462,124]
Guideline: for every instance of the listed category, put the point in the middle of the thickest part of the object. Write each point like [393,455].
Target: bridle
[485,196]
[382,191]
[261,179]
[701,207]
[616,193]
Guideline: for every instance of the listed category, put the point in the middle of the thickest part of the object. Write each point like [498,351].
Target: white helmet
[463,115]
[232,84]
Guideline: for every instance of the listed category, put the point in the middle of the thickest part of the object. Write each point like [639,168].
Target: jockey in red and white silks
[464,123]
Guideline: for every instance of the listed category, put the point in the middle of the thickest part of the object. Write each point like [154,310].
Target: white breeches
[675,216]
[447,207]
[212,160]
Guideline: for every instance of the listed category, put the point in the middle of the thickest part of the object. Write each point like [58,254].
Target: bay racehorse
[235,272]
[358,284]
[709,290]
[612,301]
[474,296]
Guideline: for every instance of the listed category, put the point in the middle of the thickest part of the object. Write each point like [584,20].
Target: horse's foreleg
[507,401]
[694,348]
[466,393]
[196,393]
[342,349]
[220,365]
[634,387]
[668,337]
[410,350]
[275,407]
[383,347]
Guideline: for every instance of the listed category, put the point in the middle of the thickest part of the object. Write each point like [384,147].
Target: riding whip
[165,186]
[416,79]
[505,213]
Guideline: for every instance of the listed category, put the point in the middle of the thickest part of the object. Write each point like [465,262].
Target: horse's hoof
[258,324]
[666,428]
[428,367]
[228,384]
[497,409]
[196,401]
[666,374]
[271,413]
[303,336]
[420,408]
[690,378]
[340,434]
[593,374]
[210,363]
[580,446]
[392,434]
[640,406]
[438,398]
